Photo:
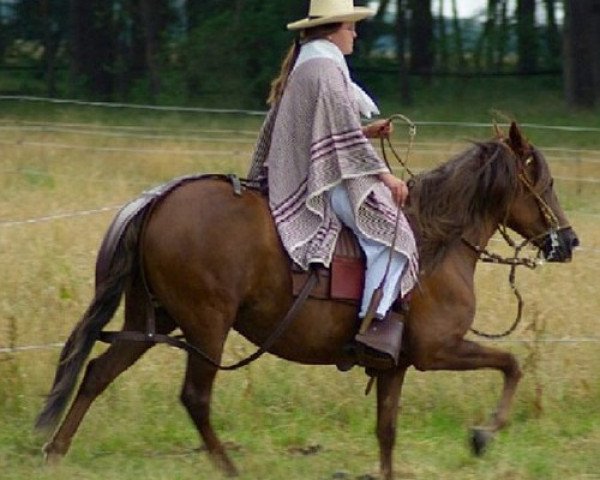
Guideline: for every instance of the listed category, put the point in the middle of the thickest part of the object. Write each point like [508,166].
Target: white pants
[377,257]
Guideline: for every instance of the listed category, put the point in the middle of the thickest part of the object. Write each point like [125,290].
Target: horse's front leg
[389,388]
[468,355]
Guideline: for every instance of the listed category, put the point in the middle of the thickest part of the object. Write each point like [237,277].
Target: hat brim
[359,13]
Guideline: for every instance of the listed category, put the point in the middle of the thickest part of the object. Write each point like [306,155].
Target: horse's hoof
[480,439]
[223,463]
[340,475]
[51,457]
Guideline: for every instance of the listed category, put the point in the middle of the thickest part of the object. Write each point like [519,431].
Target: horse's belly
[316,336]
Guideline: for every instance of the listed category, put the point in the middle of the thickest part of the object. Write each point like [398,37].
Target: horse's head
[535,212]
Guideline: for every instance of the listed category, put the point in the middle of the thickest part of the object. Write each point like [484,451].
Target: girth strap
[151,337]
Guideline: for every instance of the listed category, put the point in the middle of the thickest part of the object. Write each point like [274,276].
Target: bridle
[552,221]
[554,227]
[483,254]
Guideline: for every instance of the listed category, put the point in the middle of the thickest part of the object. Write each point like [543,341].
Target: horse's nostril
[574,242]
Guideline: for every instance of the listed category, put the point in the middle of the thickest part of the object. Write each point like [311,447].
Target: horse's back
[204,241]
[206,223]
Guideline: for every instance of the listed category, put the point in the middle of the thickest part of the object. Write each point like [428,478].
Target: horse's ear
[517,142]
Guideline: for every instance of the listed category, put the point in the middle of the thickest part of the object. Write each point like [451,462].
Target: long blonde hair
[279,82]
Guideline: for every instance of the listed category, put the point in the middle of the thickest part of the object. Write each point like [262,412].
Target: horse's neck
[480,234]
[460,253]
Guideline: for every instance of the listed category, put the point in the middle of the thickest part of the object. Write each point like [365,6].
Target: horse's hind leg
[100,372]
[196,396]
[197,390]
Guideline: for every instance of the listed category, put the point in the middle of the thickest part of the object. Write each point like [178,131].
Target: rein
[377,294]
[412,132]
[489,257]
[482,253]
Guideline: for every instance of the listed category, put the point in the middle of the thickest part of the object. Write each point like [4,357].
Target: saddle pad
[139,207]
[346,277]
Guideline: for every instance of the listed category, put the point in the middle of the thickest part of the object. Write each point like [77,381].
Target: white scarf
[327,49]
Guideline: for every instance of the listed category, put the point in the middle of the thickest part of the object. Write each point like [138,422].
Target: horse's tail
[118,262]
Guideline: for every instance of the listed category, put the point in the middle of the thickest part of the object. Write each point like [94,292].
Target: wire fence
[232,143]
[113,105]
[544,341]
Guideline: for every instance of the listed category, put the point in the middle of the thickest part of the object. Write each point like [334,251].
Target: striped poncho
[311,142]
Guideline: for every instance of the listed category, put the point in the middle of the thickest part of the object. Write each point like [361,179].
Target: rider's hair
[278,83]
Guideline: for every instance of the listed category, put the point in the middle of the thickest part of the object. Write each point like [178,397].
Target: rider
[323,172]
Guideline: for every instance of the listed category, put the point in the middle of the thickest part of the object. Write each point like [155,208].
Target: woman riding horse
[205,258]
[323,173]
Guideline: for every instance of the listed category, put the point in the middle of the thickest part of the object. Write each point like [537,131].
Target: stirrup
[379,346]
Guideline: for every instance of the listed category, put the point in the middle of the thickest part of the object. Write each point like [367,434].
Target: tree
[552,52]
[238,50]
[154,17]
[581,53]
[502,35]
[401,30]
[483,55]
[526,36]
[92,45]
[374,28]
[457,37]
[50,42]
[6,28]
[112,47]
[492,42]
[42,22]
[421,37]
[443,50]
[198,10]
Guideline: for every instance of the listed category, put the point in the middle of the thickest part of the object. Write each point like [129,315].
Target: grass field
[60,165]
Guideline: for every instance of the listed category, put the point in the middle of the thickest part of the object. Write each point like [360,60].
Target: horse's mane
[474,186]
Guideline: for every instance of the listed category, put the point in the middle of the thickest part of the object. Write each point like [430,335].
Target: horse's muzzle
[558,245]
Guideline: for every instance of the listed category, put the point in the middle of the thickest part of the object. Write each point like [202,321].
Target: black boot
[379,346]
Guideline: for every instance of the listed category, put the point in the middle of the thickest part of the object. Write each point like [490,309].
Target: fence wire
[543,341]
[243,148]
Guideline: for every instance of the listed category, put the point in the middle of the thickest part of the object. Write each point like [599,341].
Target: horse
[205,260]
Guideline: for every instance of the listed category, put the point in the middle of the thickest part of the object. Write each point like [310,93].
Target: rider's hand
[378,129]
[397,187]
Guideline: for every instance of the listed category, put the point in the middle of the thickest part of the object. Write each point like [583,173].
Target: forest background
[225,52]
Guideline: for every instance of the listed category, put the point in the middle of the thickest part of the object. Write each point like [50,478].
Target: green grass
[138,428]
[282,420]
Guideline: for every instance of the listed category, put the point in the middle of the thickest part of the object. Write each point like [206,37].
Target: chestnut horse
[213,261]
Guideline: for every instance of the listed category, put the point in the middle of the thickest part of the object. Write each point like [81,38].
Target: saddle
[344,280]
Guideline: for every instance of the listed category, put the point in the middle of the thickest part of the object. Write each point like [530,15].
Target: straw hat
[322,12]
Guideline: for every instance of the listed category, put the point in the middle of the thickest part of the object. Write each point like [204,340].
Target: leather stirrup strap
[175,341]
